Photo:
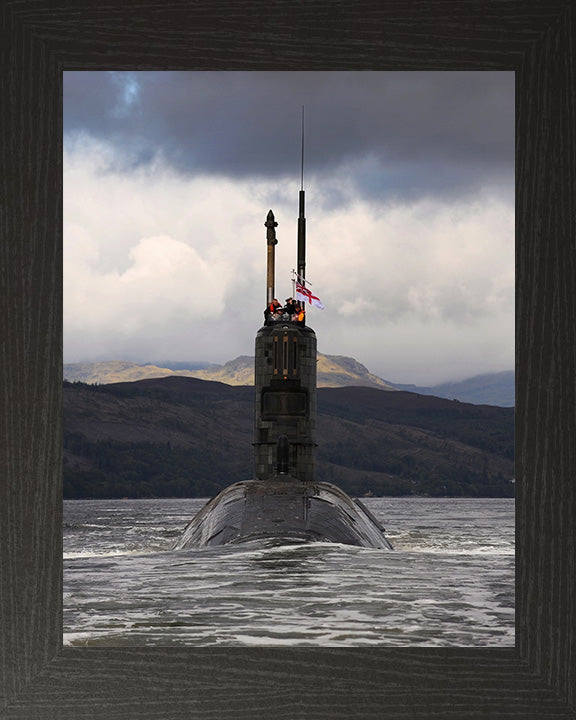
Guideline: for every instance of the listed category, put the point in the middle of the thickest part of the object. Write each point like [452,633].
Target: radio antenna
[302,166]
[301,218]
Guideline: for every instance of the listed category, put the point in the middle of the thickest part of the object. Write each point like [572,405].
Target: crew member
[272,310]
[289,307]
[299,312]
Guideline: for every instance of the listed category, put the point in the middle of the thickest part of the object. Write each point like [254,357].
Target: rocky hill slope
[333,371]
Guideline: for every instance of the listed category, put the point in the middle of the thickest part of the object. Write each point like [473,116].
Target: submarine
[283,501]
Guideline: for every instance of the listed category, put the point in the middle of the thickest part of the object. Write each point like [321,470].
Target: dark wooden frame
[39,678]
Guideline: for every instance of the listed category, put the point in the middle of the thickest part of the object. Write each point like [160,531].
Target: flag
[302,293]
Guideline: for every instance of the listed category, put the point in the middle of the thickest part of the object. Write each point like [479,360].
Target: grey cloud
[395,135]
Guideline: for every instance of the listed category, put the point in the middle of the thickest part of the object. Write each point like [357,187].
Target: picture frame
[42,679]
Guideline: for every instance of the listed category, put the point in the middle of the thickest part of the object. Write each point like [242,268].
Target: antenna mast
[271,241]
[301,218]
[302,165]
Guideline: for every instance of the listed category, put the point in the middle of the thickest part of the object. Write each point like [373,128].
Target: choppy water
[449,581]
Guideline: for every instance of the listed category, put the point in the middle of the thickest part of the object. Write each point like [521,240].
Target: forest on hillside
[183,437]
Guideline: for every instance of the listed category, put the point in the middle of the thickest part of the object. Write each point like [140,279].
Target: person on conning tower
[299,313]
[289,308]
[273,310]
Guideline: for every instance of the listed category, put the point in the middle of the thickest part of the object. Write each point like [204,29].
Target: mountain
[239,371]
[333,371]
[113,371]
[185,437]
[489,389]
[340,371]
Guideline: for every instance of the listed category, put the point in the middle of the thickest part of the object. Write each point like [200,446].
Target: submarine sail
[283,500]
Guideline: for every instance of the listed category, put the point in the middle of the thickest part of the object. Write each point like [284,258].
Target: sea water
[448,582]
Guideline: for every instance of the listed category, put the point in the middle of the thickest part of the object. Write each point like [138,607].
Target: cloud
[426,260]
[393,135]
[164,266]
[156,287]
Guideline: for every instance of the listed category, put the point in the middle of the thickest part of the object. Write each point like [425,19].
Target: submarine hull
[285,508]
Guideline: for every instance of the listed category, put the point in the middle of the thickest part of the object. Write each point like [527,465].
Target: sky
[409,180]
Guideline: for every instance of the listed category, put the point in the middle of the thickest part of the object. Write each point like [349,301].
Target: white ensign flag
[302,293]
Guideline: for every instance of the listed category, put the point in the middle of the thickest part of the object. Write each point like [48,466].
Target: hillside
[185,437]
[333,371]
[488,389]
[114,371]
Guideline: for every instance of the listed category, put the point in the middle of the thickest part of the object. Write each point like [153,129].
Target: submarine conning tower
[285,382]
[283,502]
